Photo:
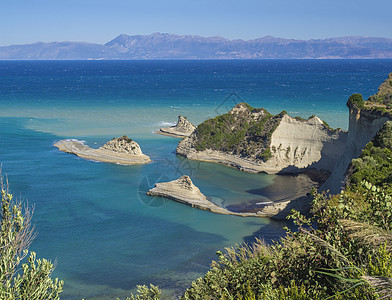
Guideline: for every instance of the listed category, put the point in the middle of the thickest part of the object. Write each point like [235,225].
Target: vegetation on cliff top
[356,101]
[382,101]
[384,94]
[244,131]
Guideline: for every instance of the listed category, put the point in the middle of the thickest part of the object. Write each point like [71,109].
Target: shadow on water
[268,232]
[284,187]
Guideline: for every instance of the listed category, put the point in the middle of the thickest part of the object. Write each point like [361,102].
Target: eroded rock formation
[122,150]
[183,128]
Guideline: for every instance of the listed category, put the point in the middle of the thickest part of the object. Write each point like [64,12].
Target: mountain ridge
[172,46]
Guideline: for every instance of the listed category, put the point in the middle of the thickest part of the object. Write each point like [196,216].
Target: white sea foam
[76,140]
[167,124]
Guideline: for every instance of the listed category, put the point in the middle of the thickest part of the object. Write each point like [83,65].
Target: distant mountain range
[171,46]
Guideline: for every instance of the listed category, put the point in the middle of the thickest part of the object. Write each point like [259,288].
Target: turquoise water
[93,218]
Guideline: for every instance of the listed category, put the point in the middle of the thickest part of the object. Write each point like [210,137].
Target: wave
[76,140]
[167,124]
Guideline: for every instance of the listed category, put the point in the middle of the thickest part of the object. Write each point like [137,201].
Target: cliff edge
[366,118]
[253,140]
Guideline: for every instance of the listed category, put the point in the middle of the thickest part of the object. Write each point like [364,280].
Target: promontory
[122,150]
[184,191]
[253,140]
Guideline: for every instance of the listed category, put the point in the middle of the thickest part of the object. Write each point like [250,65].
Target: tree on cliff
[22,276]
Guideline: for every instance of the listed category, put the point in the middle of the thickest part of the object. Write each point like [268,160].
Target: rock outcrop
[183,128]
[253,140]
[122,150]
[184,191]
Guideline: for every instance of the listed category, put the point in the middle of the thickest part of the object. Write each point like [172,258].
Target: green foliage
[245,131]
[146,293]
[347,239]
[239,271]
[375,162]
[384,94]
[381,263]
[22,280]
[356,101]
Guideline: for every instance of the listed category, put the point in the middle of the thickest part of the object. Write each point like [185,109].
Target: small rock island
[121,150]
[182,129]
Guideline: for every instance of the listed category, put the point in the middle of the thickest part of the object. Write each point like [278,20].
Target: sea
[93,219]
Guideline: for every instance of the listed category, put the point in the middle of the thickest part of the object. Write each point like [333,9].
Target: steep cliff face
[363,126]
[298,144]
[265,143]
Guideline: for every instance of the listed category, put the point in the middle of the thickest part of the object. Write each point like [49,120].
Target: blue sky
[98,21]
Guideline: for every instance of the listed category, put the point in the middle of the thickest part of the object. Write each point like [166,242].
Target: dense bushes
[384,94]
[333,254]
[375,162]
[356,100]
[245,132]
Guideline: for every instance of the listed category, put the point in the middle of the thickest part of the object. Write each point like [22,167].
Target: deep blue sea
[94,218]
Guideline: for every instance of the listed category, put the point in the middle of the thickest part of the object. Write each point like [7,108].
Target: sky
[99,21]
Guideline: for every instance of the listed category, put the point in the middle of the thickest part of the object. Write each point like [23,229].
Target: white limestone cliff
[363,126]
[295,145]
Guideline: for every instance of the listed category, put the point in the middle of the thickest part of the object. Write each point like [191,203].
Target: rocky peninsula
[253,140]
[184,191]
[182,129]
[121,150]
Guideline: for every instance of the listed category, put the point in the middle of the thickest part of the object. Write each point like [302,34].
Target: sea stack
[121,150]
[182,129]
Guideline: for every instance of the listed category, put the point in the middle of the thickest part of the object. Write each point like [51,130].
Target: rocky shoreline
[122,150]
[182,129]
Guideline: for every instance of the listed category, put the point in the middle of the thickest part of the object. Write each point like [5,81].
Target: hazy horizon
[216,36]
[98,21]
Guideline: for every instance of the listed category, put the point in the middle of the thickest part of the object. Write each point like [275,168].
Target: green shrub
[245,133]
[18,280]
[375,162]
[356,101]
[146,293]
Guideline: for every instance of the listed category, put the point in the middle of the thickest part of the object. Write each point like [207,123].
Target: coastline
[296,145]
[99,203]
